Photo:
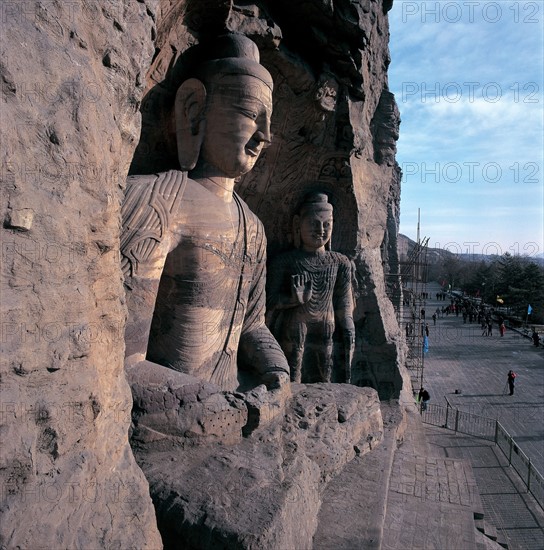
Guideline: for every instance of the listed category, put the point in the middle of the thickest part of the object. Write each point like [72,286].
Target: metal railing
[532,478]
[492,430]
[459,421]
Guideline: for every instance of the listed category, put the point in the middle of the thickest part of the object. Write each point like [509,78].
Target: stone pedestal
[264,491]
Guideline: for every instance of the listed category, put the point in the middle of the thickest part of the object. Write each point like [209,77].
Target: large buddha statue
[193,254]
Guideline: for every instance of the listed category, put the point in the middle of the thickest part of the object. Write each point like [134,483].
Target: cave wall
[71,78]
[335,126]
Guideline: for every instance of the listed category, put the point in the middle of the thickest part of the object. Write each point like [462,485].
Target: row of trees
[516,280]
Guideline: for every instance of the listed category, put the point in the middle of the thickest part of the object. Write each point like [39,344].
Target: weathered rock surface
[71,77]
[264,492]
[181,410]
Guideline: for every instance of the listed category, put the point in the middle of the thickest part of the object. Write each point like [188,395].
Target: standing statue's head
[312,226]
[222,113]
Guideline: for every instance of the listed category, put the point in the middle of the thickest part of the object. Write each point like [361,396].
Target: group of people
[487,326]
[472,313]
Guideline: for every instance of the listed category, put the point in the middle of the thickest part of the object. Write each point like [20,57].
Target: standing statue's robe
[301,328]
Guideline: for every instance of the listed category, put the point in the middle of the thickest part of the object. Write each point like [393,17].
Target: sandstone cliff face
[71,77]
[335,127]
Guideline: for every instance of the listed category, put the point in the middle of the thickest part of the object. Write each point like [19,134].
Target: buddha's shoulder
[339,258]
[251,217]
[165,180]
[166,187]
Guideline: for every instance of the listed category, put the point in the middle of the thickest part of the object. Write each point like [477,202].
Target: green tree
[510,279]
[477,281]
[534,285]
[452,269]
[520,283]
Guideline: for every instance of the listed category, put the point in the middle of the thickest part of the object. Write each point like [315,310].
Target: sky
[468,80]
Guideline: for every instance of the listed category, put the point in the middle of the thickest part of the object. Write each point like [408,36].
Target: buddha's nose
[263,130]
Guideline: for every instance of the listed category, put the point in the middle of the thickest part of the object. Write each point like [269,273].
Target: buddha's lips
[253,151]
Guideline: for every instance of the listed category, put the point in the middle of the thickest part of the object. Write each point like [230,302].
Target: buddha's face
[315,230]
[237,124]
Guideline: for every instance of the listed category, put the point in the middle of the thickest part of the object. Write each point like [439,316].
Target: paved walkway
[505,502]
[401,497]
[432,500]
[461,359]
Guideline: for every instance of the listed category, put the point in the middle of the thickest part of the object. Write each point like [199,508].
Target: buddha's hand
[276,380]
[349,338]
[301,287]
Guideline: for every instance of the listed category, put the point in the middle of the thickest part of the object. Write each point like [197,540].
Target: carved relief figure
[385,129]
[309,293]
[198,238]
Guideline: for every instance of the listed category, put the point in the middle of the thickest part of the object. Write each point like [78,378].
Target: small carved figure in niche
[309,293]
[195,235]
[327,92]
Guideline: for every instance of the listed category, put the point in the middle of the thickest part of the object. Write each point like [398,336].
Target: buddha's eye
[247,111]
[249,114]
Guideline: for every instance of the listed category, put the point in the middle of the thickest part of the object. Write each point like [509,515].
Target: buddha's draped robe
[210,302]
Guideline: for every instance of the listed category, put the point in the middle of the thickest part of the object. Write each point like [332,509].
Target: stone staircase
[399,496]
[490,532]
[353,510]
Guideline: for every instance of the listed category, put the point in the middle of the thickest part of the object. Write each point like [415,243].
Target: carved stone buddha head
[222,113]
[313,224]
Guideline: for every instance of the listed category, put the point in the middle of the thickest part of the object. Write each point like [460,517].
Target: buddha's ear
[190,123]
[296,231]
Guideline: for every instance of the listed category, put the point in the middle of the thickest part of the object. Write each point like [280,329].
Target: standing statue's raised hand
[302,287]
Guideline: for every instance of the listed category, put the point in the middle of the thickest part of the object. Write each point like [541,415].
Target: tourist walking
[511,381]
[424,398]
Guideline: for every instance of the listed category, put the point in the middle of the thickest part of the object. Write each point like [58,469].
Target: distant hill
[437,255]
